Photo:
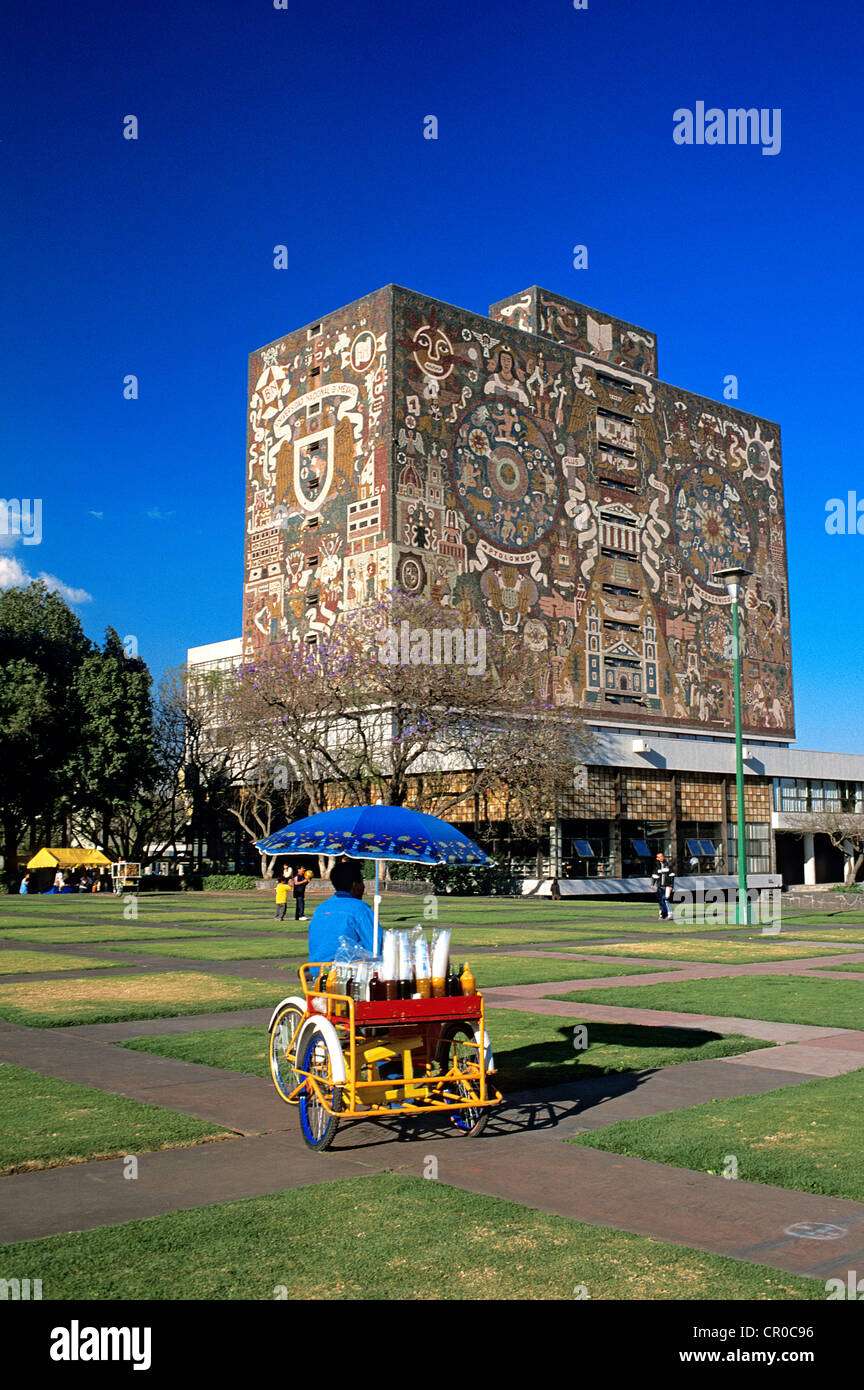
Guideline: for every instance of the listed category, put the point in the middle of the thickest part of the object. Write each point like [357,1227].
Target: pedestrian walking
[663,881]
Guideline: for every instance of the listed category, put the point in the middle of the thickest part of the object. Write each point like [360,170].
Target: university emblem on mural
[712,526]
[507,481]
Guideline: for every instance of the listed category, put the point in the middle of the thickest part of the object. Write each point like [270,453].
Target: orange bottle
[439,987]
[466,980]
[332,986]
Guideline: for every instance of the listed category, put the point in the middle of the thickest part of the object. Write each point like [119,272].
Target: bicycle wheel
[319,1121]
[283,1049]
[454,1054]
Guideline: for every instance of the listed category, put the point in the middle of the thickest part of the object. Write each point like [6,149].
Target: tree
[114,762]
[42,647]
[397,702]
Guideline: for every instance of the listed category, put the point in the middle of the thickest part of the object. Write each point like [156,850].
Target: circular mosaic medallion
[712,524]
[410,574]
[507,481]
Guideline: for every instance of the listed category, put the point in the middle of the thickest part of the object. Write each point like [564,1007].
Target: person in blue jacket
[343,915]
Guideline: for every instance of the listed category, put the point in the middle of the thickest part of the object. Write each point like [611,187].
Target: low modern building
[532,473]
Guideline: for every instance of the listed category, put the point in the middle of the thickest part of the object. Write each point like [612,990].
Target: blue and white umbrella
[377,832]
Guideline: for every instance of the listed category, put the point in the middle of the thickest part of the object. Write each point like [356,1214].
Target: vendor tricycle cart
[338,1058]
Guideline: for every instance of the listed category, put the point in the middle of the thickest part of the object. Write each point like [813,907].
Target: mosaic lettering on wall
[585,511]
[317,474]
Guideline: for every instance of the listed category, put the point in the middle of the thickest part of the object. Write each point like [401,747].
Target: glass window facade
[758,836]
[817,795]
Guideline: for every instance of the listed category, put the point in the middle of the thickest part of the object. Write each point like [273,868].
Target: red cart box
[380,1012]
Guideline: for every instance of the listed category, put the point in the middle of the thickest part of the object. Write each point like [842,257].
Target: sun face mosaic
[530,472]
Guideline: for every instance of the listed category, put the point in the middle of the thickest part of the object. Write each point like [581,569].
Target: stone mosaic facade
[529,471]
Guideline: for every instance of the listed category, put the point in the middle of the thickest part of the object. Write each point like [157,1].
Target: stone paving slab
[248,1104]
[82,1196]
[807,1059]
[155,1027]
[849,1041]
[607,1100]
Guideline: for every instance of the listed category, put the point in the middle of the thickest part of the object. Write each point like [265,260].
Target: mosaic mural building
[530,471]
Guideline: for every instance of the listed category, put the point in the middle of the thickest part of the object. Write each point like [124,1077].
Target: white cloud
[98,515]
[11,573]
[13,576]
[65,590]
[156,515]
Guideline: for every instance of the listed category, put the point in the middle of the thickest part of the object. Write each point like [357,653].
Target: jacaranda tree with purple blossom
[404,701]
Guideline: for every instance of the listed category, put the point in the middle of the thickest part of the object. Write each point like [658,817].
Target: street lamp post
[735,579]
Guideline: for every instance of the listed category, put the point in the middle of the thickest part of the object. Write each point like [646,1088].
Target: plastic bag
[353,961]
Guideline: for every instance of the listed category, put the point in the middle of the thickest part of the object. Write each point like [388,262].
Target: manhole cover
[815,1230]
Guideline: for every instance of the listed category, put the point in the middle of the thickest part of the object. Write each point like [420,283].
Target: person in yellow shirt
[283,888]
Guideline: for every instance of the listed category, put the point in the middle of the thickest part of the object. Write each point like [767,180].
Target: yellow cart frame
[338,1058]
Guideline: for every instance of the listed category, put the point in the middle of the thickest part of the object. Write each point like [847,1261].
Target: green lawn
[778,998]
[45,1122]
[469,937]
[32,962]
[852,967]
[220,949]
[388,1237]
[807,1137]
[52,1004]
[530,1049]
[711,952]
[492,971]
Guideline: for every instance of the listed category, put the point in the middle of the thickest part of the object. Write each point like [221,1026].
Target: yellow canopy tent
[69,859]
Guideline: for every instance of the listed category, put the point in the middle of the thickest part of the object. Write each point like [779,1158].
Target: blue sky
[304,126]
